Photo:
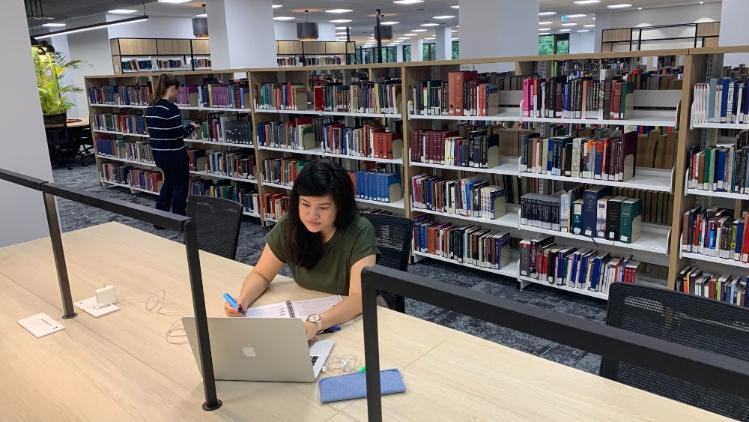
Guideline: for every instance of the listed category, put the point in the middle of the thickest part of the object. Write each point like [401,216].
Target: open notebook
[293,308]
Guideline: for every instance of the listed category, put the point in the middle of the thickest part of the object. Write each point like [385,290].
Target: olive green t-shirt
[333,272]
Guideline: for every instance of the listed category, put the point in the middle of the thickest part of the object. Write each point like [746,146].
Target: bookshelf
[705,133]
[659,246]
[131,98]
[137,55]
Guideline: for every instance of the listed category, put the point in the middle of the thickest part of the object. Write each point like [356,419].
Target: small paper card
[89,305]
[40,325]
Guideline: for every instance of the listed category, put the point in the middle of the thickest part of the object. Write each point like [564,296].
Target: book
[727,288]
[293,308]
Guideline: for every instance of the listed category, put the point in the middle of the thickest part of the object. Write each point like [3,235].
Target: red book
[319,98]
[456,90]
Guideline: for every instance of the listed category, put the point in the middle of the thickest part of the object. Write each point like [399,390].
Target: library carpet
[251,241]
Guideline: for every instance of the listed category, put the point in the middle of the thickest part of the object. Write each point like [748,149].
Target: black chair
[56,128]
[394,240]
[217,224]
[693,321]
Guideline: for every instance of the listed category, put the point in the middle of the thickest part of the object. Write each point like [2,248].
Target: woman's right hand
[230,311]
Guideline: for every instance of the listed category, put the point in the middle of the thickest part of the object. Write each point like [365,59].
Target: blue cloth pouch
[354,386]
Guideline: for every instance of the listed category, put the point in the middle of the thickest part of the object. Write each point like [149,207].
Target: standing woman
[166,133]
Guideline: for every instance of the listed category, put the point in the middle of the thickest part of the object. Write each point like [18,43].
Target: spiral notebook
[293,308]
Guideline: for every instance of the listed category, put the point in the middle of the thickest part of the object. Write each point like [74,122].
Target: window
[456,50]
[406,53]
[429,52]
[553,44]
[369,55]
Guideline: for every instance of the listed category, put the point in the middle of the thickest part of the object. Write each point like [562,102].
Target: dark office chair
[217,224]
[56,128]
[684,319]
[84,145]
[394,240]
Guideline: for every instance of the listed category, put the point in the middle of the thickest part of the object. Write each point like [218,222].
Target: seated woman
[325,242]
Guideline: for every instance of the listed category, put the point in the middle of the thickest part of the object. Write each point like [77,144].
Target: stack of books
[281,171]
[723,287]
[120,94]
[469,197]
[723,168]
[715,232]
[120,122]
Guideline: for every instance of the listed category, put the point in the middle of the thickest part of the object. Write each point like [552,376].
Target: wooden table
[121,366]
[79,122]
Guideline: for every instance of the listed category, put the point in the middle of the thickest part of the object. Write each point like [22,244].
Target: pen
[331,329]
[230,300]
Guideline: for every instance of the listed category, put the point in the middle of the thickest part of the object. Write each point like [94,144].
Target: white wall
[733,29]
[93,48]
[708,12]
[154,27]
[287,31]
[582,42]
[61,45]
[23,148]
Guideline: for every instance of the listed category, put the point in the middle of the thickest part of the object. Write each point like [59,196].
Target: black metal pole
[348,40]
[371,351]
[62,270]
[378,34]
[201,321]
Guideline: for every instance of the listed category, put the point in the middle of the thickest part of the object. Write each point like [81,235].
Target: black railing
[697,366]
[149,215]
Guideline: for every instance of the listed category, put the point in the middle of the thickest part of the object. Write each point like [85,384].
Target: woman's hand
[231,312]
[310,329]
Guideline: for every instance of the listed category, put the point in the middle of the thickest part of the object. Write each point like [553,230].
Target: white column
[399,52]
[733,16]
[603,21]
[417,50]
[69,78]
[444,43]
[582,42]
[93,48]
[241,33]
[24,149]
[490,28]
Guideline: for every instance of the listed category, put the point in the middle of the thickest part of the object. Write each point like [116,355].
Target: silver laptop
[261,349]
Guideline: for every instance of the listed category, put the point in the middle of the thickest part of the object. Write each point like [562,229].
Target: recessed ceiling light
[455,30]
[544,33]
[565,30]
[545,23]
[587,1]
[570,24]
[418,30]
[402,38]
[340,21]
[121,11]
[202,15]
[340,33]
[277,6]
[173,1]
[577,15]
[544,29]
[428,24]
[389,23]
[53,25]
[340,28]
[443,17]
[457,6]
[408,1]
[409,35]
[456,39]
[619,6]
[589,26]
[546,13]
[639,8]
[338,11]
[583,30]
[429,39]
[283,18]
[702,2]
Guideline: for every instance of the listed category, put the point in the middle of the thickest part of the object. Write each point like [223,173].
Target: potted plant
[50,67]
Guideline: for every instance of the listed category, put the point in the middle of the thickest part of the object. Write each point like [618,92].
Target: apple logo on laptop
[249,351]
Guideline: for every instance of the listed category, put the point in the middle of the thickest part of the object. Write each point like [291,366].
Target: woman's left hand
[310,328]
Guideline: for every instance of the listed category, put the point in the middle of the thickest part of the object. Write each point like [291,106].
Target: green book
[630,220]
[577,216]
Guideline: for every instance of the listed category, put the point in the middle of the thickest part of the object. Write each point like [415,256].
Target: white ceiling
[409,17]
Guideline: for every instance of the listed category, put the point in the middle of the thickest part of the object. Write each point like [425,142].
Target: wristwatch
[316,319]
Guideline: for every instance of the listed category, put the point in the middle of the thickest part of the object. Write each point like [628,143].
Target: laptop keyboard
[314,359]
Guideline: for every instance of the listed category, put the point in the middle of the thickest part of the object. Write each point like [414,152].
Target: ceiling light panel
[121,11]
[338,11]
[283,18]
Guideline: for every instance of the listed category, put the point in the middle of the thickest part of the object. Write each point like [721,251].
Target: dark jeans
[173,194]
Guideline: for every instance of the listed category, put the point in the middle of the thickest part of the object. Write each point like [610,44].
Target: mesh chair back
[394,241]
[217,224]
[56,128]
[684,319]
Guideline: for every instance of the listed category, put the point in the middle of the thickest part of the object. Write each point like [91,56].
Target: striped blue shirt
[165,127]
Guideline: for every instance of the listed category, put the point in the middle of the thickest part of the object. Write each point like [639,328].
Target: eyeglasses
[345,363]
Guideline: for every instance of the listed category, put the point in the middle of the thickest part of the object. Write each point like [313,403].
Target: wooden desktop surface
[78,122]
[121,366]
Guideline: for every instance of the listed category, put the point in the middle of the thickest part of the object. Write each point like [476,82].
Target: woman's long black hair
[317,178]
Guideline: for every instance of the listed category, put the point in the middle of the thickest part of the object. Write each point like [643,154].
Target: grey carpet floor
[252,239]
